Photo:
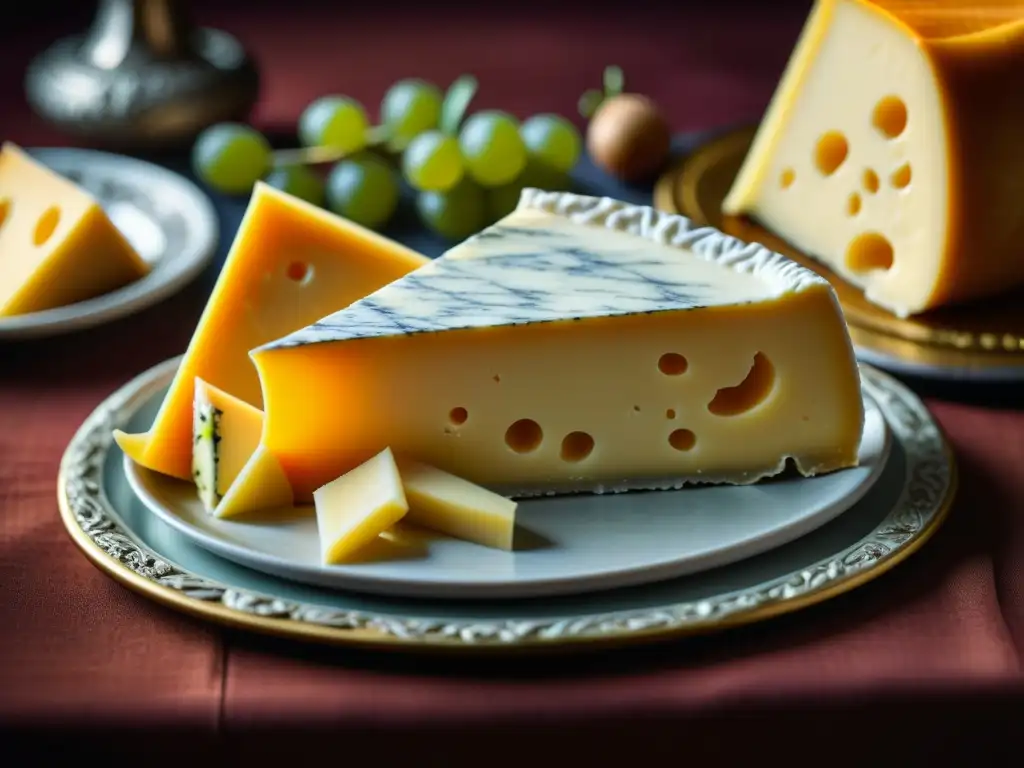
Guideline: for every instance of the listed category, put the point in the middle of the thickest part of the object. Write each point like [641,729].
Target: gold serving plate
[983,339]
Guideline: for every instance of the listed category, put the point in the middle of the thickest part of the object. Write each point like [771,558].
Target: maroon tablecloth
[924,663]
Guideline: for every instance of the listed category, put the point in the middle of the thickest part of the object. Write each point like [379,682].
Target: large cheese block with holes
[290,263]
[892,149]
[579,344]
[57,245]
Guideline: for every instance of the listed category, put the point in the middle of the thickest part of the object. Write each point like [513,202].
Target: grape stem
[375,137]
[613,81]
[456,102]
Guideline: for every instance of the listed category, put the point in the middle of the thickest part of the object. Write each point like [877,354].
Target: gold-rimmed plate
[983,340]
[116,531]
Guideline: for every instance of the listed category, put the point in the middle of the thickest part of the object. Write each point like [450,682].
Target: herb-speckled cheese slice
[579,344]
[232,472]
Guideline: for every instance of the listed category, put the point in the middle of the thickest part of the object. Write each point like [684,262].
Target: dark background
[706,63]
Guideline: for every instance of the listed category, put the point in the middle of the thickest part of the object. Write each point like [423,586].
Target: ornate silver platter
[132,545]
[169,220]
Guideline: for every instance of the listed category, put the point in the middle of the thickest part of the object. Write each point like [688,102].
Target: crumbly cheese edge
[803,467]
[782,274]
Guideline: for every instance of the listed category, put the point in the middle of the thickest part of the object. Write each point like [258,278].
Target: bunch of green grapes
[472,175]
[466,175]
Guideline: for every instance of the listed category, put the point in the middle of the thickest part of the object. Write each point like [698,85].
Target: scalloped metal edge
[923,504]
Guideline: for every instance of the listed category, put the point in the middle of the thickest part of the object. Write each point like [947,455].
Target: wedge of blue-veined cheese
[233,474]
[579,344]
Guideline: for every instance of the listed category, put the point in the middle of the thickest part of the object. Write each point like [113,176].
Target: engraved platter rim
[92,495]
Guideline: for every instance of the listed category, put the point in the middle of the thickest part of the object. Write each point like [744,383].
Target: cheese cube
[233,474]
[57,245]
[354,509]
[892,150]
[442,502]
[580,344]
[290,264]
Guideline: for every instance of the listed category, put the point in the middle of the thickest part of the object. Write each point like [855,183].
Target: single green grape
[492,148]
[409,108]
[455,214]
[230,157]
[553,140]
[432,162]
[337,122]
[501,201]
[298,180]
[363,188]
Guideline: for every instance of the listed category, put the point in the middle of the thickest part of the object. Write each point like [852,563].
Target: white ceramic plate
[564,545]
[168,219]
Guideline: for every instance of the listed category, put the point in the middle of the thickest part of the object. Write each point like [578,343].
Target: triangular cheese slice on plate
[289,264]
[891,150]
[579,344]
[57,245]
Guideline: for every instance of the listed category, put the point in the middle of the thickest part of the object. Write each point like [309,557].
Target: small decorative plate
[981,341]
[168,219]
[564,544]
[118,533]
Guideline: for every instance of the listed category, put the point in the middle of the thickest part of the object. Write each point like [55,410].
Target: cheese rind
[891,150]
[233,475]
[57,245]
[289,264]
[354,509]
[442,502]
[580,344]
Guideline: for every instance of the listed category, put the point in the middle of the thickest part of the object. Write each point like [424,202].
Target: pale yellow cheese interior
[715,393]
[851,162]
[354,509]
[449,504]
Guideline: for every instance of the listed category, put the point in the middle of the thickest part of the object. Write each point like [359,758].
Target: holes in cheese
[524,436]
[682,439]
[890,116]
[870,180]
[786,178]
[869,251]
[749,393]
[900,178]
[830,152]
[299,271]
[670,414]
[672,364]
[853,204]
[576,446]
[46,225]
[458,416]
[59,246]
